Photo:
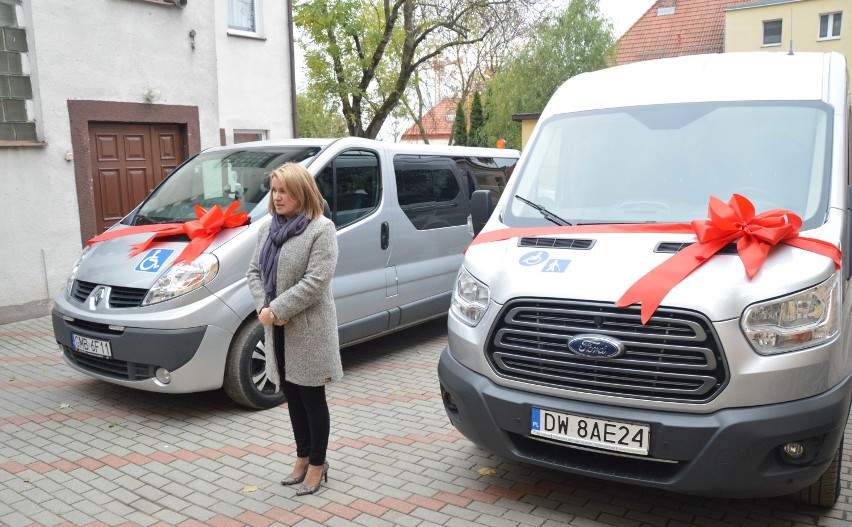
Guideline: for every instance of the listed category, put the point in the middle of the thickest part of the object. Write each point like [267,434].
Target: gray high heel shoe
[298,479]
[304,489]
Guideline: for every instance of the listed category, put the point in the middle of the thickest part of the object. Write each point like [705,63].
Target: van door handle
[385,235]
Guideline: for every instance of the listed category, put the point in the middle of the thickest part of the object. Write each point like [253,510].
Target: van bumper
[194,357]
[728,453]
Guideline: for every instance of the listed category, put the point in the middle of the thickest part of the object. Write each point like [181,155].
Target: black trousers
[308,410]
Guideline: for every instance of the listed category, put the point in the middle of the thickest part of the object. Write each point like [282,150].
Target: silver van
[659,296]
[144,322]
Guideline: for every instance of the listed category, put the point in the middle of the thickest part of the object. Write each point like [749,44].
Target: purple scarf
[279,231]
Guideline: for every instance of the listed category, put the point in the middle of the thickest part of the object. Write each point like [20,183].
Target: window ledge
[15,144]
[821,39]
[245,34]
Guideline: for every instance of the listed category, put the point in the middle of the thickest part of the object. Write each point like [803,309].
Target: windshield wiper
[141,219]
[544,212]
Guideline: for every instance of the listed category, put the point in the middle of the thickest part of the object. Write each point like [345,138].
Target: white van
[145,322]
[604,322]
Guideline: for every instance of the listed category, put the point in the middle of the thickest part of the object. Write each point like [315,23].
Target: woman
[290,280]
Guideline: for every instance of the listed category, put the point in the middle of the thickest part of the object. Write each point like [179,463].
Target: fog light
[802,451]
[164,375]
[794,450]
[448,400]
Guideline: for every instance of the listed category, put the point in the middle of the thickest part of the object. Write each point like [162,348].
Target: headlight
[470,298]
[183,278]
[69,284]
[794,322]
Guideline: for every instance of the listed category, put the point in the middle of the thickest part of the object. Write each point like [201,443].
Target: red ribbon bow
[201,231]
[735,220]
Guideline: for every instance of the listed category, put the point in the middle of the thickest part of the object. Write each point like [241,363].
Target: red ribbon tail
[141,246]
[818,246]
[653,287]
[195,247]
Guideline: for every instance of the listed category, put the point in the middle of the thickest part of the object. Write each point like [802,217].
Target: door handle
[385,235]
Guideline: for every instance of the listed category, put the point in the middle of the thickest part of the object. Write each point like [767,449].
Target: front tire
[246,382]
[824,491]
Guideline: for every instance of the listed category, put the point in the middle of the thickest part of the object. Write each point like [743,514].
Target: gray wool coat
[304,298]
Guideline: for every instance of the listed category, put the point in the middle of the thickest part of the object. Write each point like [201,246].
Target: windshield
[219,178]
[662,163]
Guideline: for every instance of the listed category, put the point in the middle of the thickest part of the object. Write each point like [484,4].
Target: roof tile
[438,122]
[694,27]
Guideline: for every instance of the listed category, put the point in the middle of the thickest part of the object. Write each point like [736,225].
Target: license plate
[91,346]
[629,438]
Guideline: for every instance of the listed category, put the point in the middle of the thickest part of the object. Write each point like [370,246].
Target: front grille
[118,296]
[117,369]
[81,290]
[85,326]
[676,356]
[126,297]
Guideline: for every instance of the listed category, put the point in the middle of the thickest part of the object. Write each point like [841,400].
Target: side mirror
[480,209]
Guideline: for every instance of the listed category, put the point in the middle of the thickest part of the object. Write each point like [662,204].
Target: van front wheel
[246,382]
[824,491]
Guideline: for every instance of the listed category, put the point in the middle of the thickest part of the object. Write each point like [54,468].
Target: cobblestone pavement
[78,452]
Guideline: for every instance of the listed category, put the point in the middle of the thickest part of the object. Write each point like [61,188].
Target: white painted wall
[115,50]
[256,94]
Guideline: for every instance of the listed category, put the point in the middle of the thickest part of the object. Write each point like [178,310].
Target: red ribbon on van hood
[736,220]
[201,231]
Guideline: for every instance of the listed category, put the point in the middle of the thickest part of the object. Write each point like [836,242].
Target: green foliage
[477,119]
[317,118]
[363,53]
[577,40]
[460,127]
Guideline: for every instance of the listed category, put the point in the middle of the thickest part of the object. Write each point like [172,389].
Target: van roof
[394,148]
[747,76]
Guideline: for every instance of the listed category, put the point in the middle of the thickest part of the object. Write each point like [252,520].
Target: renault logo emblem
[96,297]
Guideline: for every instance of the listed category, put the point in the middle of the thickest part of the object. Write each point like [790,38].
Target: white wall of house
[116,50]
[262,85]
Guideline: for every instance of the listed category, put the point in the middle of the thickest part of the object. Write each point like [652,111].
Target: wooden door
[128,161]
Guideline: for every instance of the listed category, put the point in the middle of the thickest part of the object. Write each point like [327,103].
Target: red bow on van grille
[200,231]
[735,220]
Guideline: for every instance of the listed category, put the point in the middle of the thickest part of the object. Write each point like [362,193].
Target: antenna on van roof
[791,32]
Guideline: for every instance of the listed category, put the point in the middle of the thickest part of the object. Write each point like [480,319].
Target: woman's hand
[267,318]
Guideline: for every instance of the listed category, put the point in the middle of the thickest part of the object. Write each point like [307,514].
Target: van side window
[351,185]
[432,191]
[487,173]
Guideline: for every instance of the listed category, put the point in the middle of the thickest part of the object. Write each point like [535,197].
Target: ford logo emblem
[596,346]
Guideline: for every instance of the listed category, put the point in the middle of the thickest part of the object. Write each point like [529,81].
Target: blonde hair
[300,184]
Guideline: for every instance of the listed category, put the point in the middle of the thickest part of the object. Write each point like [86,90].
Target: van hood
[108,262]
[601,267]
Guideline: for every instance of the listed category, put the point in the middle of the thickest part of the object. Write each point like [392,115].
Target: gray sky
[624,13]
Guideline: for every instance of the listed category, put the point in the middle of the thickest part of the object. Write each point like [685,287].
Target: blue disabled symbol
[533,258]
[154,260]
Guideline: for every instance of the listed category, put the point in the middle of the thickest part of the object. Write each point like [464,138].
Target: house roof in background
[672,28]
[438,122]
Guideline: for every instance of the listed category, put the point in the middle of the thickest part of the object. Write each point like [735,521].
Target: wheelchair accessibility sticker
[541,257]
[154,260]
[533,258]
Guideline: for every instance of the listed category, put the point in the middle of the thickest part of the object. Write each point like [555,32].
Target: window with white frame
[244,18]
[245,136]
[771,32]
[829,25]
